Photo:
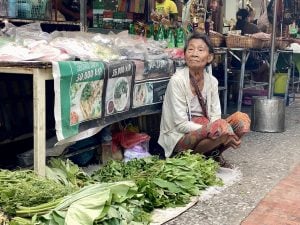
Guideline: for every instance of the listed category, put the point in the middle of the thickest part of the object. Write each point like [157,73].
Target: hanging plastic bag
[128,139]
[263,21]
[136,152]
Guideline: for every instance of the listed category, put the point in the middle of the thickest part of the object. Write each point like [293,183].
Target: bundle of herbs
[26,189]
[164,183]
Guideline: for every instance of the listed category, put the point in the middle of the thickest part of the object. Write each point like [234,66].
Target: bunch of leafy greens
[164,183]
[115,203]
[66,173]
[25,188]
[131,191]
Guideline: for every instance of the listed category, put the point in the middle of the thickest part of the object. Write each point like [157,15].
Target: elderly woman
[191,115]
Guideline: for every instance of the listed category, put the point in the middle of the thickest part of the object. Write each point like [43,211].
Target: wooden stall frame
[40,71]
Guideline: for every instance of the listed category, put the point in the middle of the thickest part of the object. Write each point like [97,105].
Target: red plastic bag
[128,139]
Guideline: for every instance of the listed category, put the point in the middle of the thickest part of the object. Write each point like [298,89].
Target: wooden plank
[16,70]
[39,124]
[13,20]
[26,64]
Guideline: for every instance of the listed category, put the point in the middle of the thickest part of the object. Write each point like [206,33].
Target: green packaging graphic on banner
[80,85]
[120,76]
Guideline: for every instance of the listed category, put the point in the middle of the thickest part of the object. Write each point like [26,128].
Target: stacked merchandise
[117,14]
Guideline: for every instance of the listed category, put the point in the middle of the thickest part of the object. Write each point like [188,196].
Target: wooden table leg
[39,114]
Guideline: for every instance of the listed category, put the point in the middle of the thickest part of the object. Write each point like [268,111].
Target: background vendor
[71,9]
[243,22]
[166,9]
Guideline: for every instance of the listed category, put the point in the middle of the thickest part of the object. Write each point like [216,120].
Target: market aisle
[281,206]
[265,160]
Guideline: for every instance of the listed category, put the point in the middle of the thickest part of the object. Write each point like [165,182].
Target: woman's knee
[239,116]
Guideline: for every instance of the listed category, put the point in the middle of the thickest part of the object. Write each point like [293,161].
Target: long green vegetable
[26,189]
[97,203]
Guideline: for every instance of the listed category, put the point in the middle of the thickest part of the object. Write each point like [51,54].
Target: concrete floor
[264,160]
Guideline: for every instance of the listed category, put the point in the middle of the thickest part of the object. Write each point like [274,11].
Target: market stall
[100,80]
[92,95]
[121,96]
[40,71]
[264,53]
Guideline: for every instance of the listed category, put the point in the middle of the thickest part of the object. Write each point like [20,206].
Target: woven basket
[282,43]
[216,41]
[237,41]
[266,43]
[295,40]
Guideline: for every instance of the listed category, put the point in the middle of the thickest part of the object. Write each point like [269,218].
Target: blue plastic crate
[33,9]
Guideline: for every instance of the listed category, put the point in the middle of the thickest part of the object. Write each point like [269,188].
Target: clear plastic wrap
[31,31]
[138,48]
[84,49]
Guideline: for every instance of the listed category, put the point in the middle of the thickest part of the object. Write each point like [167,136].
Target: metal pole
[273,42]
[83,15]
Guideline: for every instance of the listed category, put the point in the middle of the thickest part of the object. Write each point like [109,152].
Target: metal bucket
[268,115]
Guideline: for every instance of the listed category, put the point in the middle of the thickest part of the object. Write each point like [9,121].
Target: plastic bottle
[171,39]
[150,31]
[160,33]
[180,37]
[131,29]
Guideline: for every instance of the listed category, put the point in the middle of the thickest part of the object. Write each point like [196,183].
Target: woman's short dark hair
[241,19]
[201,36]
[242,14]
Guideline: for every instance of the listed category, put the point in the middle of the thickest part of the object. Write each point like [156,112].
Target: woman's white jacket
[176,111]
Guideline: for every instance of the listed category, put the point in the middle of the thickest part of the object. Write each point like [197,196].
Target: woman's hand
[233,141]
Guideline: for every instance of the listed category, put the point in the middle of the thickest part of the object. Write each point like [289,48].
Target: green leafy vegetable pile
[164,183]
[26,189]
[66,173]
[117,194]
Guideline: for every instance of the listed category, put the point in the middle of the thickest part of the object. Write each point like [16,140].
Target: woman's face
[213,5]
[197,54]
